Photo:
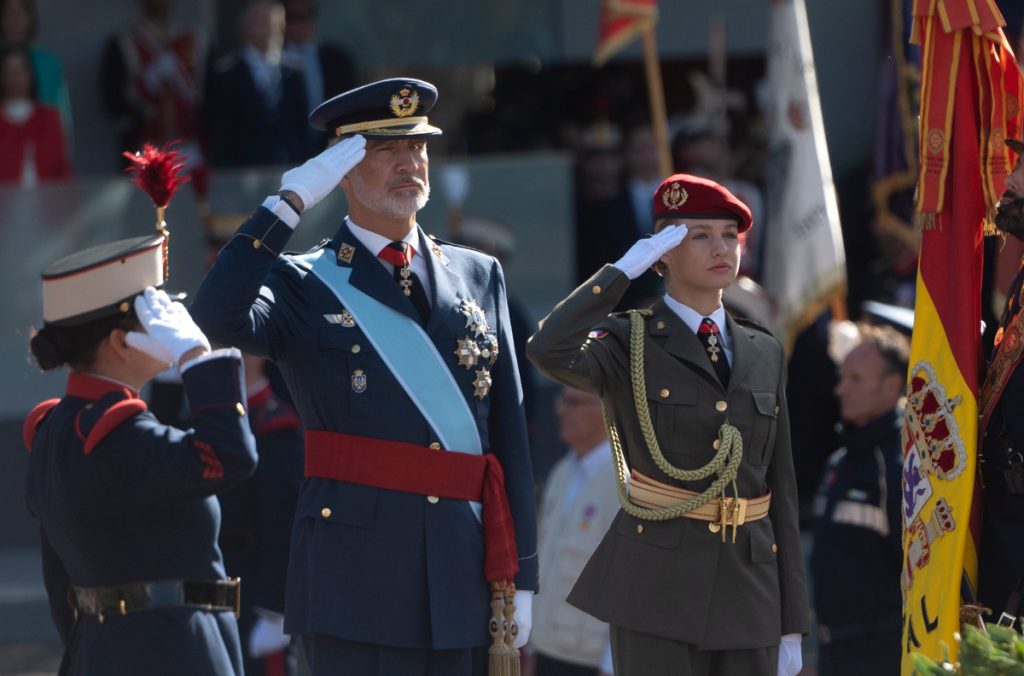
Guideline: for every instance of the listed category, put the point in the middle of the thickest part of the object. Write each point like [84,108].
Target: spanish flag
[621,22]
[970,89]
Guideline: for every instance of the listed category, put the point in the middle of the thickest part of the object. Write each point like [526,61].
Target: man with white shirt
[701,572]
[578,505]
[418,505]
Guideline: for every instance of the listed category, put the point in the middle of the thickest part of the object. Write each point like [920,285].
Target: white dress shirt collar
[376,242]
[692,319]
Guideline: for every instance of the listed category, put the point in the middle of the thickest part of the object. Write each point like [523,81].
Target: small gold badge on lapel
[467,352]
[345,252]
[482,384]
[358,381]
[476,320]
[347,320]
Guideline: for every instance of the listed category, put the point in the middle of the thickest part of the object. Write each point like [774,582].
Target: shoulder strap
[34,419]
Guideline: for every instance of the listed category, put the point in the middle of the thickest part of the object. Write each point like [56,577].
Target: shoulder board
[438,240]
[94,422]
[319,245]
[273,415]
[34,419]
[743,321]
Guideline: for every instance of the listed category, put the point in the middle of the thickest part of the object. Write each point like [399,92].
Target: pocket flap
[664,534]
[766,403]
[762,545]
[340,503]
[669,392]
[338,338]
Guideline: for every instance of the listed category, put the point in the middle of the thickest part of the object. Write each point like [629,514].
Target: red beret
[696,197]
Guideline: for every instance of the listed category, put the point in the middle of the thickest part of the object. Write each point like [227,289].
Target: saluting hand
[170,332]
[646,252]
[318,176]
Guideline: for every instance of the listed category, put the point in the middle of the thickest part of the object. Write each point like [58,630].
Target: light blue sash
[409,354]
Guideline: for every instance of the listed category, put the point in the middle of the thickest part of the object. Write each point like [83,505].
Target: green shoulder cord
[725,464]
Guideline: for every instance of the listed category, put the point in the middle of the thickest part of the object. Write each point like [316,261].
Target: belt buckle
[1006,620]
[731,512]
[238,595]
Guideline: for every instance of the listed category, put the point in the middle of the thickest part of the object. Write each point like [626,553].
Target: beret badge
[405,102]
[675,196]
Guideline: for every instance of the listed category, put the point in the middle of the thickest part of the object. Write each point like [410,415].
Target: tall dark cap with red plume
[159,173]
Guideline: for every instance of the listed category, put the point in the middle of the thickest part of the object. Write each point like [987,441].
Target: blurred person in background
[578,505]
[256,103]
[857,554]
[129,521]
[149,82]
[326,69]
[32,146]
[19,26]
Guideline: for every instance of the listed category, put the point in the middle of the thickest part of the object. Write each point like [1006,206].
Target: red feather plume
[157,172]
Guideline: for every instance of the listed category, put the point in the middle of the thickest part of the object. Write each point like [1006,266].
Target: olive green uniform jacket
[677,579]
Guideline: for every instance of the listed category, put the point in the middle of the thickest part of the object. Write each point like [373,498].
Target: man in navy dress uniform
[397,350]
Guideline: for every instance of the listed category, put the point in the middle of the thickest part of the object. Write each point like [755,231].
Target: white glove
[646,252]
[170,331]
[267,634]
[790,658]
[523,615]
[320,175]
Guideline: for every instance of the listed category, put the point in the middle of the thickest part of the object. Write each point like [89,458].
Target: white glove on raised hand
[267,634]
[523,615]
[646,252]
[318,176]
[791,660]
[170,331]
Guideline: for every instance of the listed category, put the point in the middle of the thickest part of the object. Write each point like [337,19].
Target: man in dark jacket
[856,560]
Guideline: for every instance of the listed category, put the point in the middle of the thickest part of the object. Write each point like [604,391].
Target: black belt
[1010,481]
[121,599]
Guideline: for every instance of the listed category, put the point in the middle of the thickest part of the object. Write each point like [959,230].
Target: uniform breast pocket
[762,438]
[673,409]
[352,367]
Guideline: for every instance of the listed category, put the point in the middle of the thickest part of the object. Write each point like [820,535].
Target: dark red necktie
[400,255]
[711,337]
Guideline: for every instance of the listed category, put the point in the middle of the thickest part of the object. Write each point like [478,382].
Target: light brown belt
[647,492]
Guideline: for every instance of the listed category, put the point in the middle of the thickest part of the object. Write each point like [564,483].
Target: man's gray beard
[389,203]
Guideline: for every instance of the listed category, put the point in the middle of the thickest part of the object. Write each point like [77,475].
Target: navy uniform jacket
[858,548]
[381,566]
[138,506]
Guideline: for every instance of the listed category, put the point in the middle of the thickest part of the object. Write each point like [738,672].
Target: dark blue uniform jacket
[369,564]
[138,506]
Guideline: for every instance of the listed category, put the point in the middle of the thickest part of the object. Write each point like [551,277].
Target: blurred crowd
[248,108]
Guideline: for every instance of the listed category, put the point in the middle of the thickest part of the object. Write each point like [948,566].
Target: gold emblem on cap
[405,102]
[675,196]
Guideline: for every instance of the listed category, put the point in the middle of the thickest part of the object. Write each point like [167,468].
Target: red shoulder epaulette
[111,418]
[33,420]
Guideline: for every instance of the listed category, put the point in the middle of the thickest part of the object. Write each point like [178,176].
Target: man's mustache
[411,180]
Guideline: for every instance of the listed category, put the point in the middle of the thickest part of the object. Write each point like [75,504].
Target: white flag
[804,262]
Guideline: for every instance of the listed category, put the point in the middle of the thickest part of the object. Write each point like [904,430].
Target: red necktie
[400,255]
[711,337]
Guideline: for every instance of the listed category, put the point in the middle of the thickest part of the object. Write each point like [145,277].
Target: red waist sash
[409,468]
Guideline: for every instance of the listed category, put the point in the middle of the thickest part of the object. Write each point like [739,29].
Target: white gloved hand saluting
[317,177]
[170,331]
[646,252]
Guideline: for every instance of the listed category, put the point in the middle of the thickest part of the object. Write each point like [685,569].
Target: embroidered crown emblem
[675,196]
[405,102]
[929,426]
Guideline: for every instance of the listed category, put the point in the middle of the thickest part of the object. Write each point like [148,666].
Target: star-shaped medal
[476,320]
[467,352]
[482,384]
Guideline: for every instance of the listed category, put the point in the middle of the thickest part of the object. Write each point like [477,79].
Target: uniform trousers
[638,654]
[877,654]
[552,666]
[334,656]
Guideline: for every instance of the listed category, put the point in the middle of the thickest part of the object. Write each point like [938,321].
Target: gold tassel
[990,222]
[924,221]
[503,656]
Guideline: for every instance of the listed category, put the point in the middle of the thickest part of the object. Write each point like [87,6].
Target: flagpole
[656,95]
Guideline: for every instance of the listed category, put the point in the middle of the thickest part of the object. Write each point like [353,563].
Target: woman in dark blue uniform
[126,504]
